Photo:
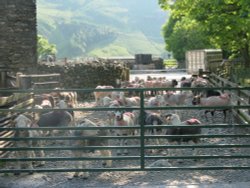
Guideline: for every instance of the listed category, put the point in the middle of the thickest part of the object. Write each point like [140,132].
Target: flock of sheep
[116,99]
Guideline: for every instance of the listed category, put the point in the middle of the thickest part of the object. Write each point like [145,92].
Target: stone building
[18,35]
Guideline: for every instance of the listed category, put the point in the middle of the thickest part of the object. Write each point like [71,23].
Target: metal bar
[125,158]
[126,147]
[126,169]
[120,89]
[70,158]
[128,137]
[127,127]
[142,129]
[134,108]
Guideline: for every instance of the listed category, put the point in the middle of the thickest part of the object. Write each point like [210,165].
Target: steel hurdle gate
[142,159]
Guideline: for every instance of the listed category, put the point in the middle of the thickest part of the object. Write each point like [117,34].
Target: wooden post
[200,72]
[25,82]
[3,79]
[248,103]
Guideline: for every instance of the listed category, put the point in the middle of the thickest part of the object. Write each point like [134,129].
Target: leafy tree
[184,34]
[226,22]
[44,48]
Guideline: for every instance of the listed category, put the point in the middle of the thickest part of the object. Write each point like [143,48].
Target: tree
[226,22]
[184,34]
[44,48]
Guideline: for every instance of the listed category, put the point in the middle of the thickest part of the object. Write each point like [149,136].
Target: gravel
[146,178]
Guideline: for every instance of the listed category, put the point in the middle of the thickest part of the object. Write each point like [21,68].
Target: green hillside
[102,27]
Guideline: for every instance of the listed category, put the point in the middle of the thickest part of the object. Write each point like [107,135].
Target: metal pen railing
[141,159]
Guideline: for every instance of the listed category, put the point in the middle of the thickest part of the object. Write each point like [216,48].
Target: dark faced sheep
[56,118]
[174,119]
[153,119]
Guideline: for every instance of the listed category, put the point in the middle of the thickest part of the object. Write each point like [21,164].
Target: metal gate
[229,148]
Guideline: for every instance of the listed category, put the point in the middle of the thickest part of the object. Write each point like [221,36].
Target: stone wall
[18,34]
[86,74]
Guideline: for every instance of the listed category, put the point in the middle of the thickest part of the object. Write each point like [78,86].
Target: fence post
[142,128]
[249,103]
[238,100]
[3,79]
[25,82]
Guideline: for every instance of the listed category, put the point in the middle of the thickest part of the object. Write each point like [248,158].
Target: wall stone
[18,34]
[86,75]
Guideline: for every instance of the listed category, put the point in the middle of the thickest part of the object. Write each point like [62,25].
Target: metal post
[142,116]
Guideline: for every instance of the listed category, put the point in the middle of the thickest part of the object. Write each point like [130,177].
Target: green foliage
[226,23]
[170,63]
[44,47]
[182,35]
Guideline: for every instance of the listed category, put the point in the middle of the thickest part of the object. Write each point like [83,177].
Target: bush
[170,63]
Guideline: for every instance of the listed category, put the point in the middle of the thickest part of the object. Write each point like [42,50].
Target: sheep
[46,104]
[212,92]
[175,99]
[21,121]
[199,82]
[111,114]
[156,101]
[56,118]
[174,119]
[153,119]
[100,94]
[45,100]
[169,83]
[63,105]
[160,83]
[89,142]
[185,82]
[221,100]
[69,97]
[132,85]
[129,101]
[122,118]
[106,101]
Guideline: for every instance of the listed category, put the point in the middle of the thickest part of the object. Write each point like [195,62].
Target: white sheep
[100,94]
[89,142]
[21,121]
[122,118]
[156,101]
[175,99]
[129,101]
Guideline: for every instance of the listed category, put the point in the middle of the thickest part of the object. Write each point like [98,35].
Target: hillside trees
[44,48]
[226,23]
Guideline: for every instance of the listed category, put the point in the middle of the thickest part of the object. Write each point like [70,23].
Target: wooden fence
[37,81]
[12,102]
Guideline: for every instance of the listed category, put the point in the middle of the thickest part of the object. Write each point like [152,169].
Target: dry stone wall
[18,34]
[87,74]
